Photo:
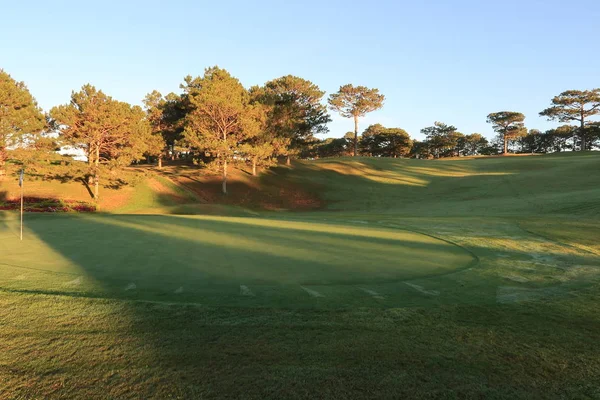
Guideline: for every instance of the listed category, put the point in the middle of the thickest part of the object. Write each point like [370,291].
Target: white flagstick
[21,184]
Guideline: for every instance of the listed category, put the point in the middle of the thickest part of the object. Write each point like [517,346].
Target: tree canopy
[294,109]
[221,118]
[20,115]
[508,124]
[355,102]
[379,141]
[215,121]
[471,145]
[575,106]
[107,130]
[442,139]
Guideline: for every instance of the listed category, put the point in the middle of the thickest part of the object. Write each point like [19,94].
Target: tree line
[443,140]
[214,121]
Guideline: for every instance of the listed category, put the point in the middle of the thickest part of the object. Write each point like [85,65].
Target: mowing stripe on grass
[245,291]
[372,293]
[312,293]
[422,289]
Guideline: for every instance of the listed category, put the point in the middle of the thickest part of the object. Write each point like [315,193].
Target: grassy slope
[555,184]
[522,323]
[173,190]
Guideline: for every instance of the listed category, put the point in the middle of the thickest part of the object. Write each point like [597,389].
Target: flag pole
[21,184]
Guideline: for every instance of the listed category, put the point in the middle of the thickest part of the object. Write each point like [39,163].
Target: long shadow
[503,186]
[85,183]
[3,198]
[290,352]
[481,187]
[224,351]
[162,253]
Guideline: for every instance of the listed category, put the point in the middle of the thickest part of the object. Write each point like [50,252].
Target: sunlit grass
[225,250]
[529,305]
[477,279]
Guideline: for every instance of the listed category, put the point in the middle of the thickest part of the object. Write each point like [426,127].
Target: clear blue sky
[451,61]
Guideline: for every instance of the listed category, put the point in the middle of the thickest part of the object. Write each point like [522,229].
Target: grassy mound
[565,184]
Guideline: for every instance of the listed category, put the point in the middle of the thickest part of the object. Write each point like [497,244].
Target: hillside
[567,184]
[528,185]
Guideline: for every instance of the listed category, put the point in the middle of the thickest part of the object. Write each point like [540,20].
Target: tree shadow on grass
[483,187]
[85,184]
[3,214]
[163,253]
[273,349]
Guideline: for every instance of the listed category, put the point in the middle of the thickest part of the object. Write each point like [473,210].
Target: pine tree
[20,116]
[355,102]
[221,119]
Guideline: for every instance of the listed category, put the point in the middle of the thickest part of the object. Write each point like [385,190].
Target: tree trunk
[160,161]
[355,135]
[96,178]
[96,186]
[225,177]
[505,145]
[288,161]
[225,163]
[582,134]
[254,166]
[3,157]
[90,176]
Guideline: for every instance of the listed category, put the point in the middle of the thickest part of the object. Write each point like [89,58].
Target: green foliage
[558,139]
[349,136]
[351,101]
[333,147]
[379,141]
[165,115]
[508,124]
[472,145]
[420,149]
[562,138]
[259,151]
[531,142]
[21,120]
[221,118]
[111,133]
[355,102]
[593,134]
[442,139]
[294,112]
[575,106]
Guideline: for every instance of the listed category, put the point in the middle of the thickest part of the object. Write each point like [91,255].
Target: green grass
[453,279]
[567,184]
[210,257]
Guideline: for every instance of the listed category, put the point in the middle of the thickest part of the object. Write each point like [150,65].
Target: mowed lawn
[215,260]
[422,279]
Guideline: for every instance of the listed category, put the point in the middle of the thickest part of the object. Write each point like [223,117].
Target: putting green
[198,253]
